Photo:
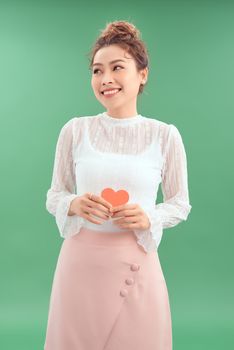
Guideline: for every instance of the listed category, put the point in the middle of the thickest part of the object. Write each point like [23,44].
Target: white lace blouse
[135,154]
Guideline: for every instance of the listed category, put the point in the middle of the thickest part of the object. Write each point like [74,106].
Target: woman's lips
[111,94]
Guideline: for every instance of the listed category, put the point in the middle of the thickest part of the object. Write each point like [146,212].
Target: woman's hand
[133,217]
[85,207]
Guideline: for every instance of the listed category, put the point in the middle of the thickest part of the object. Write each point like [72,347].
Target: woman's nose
[107,79]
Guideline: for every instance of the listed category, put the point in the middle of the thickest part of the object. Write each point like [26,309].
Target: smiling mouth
[110,92]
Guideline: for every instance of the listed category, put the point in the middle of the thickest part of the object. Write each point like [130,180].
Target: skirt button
[135,267]
[123,292]
[129,281]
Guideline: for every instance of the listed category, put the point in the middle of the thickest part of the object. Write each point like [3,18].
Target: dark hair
[127,36]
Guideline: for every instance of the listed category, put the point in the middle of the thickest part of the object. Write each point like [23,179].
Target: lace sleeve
[175,206]
[63,184]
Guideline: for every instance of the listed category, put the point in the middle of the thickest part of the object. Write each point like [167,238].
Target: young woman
[109,290]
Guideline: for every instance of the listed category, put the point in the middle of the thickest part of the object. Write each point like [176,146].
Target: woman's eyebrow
[100,64]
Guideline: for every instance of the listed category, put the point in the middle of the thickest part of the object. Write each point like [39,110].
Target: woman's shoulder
[160,126]
[164,131]
[76,121]
[158,122]
[82,119]
[75,126]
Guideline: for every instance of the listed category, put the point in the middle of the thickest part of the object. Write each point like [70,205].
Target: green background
[45,81]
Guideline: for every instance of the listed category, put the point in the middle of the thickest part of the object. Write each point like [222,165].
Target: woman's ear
[144,75]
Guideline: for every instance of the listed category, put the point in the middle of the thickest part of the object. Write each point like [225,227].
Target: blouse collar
[121,121]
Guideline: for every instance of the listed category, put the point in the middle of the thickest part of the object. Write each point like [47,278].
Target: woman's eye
[118,66]
[95,70]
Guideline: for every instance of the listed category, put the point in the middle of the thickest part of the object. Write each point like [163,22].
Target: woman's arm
[63,184]
[175,206]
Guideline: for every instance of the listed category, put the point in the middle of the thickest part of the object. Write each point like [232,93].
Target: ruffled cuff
[68,225]
[150,239]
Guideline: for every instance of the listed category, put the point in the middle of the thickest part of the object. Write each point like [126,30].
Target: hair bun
[122,29]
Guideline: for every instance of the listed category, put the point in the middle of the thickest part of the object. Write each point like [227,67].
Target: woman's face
[121,75]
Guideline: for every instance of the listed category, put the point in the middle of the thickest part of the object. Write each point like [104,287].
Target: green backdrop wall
[45,81]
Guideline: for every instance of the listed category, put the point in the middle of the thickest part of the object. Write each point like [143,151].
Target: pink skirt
[108,294]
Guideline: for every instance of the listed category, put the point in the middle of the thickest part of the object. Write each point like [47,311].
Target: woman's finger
[89,218]
[102,204]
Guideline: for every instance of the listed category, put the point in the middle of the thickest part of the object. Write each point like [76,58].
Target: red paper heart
[115,198]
